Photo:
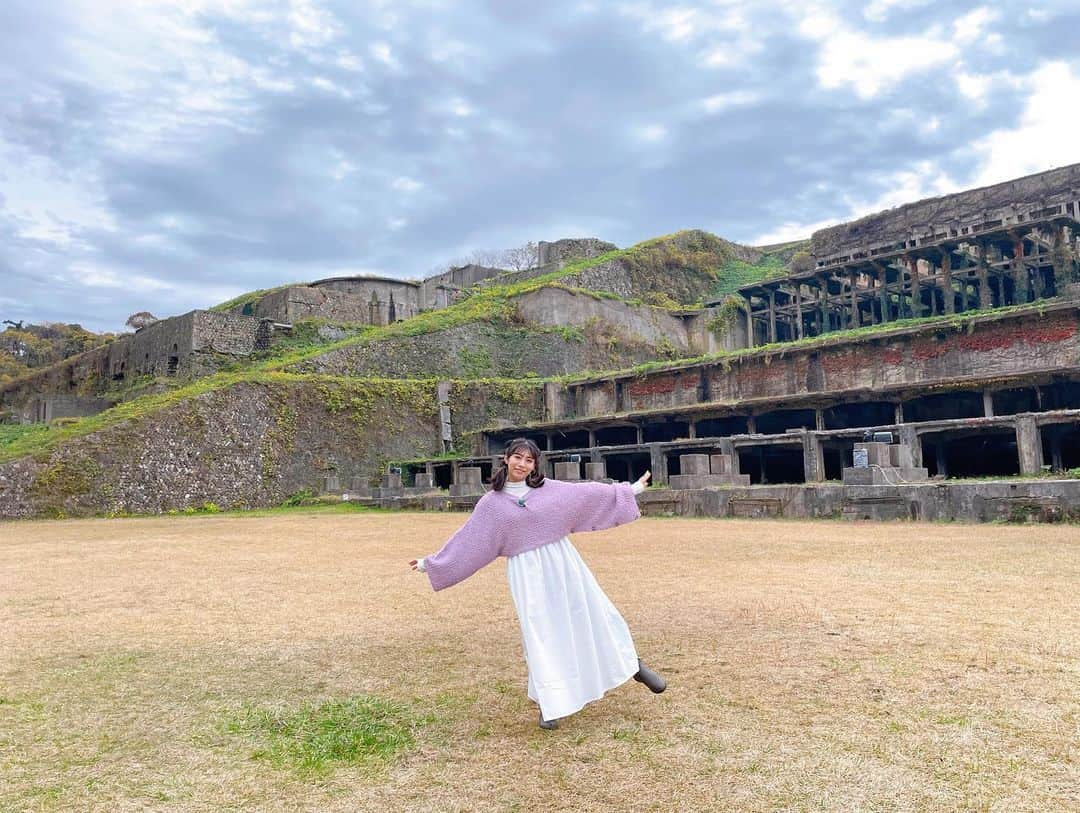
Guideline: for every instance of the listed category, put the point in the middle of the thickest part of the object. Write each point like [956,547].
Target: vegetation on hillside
[29,347]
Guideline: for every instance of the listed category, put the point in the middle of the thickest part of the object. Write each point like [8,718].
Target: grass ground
[293,662]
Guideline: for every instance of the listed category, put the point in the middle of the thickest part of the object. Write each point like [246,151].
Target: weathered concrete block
[468,475]
[568,471]
[424,480]
[596,471]
[468,482]
[684,481]
[690,464]
[877,454]
[391,480]
[894,455]
[721,464]
[331,484]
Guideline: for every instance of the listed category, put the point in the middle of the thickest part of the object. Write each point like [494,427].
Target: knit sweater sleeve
[473,545]
[602,505]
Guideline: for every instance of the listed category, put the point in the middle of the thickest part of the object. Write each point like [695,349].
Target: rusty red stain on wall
[655,386]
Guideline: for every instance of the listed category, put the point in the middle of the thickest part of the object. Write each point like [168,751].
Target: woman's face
[519,465]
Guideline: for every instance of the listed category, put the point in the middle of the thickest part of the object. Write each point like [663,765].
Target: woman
[577,645]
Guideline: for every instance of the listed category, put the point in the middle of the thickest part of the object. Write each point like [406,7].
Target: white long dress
[577,645]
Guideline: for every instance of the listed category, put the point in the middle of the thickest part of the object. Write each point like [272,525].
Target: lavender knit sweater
[499,526]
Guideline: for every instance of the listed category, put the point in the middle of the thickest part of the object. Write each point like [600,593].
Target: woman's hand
[644,479]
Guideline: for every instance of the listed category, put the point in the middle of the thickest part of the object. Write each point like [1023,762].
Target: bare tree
[137,321]
[520,258]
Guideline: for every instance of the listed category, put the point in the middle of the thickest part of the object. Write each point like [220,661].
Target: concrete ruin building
[979,392]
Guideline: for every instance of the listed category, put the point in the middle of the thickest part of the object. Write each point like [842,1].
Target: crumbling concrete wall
[556,306]
[1035,340]
[183,346]
[569,249]
[897,224]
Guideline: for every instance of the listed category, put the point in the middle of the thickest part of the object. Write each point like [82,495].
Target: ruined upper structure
[1005,244]
[378,300]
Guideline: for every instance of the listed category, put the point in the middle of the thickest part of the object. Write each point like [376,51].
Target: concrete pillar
[751,425]
[728,448]
[823,307]
[691,429]
[853,320]
[916,290]
[657,465]
[798,311]
[883,291]
[988,404]
[1019,272]
[1060,259]
[946,281]
[549,440]
[984,280]
[898,412]
[640,435]
[592,438]
[552,402]
[1029,445]
[772,315]
[819,419]
[749,324]
[910,453]
[813,459]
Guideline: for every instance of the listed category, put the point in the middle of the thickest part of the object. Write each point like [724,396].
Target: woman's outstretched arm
[473,545]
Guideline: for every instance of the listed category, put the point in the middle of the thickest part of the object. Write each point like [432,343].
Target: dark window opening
[776,423]
[988,454]
[1061,446]
[1011,402]
[485,470]
[850,416]
[443,475]
[722,427]
[1061,395]
[667,431]
[945,406]
[626,467]
[570,440]
[617,436]
[772,464]
[836,459]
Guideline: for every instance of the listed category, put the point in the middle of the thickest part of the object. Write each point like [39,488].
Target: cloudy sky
[166,156]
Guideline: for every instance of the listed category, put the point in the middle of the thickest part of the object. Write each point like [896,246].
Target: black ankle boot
[647,676]
[548,725]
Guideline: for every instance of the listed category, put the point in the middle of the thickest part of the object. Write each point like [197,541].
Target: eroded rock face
[250,445]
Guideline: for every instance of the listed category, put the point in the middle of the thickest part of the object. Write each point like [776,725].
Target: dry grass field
[233,662]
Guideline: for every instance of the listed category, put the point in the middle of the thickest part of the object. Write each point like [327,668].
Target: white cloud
[382,52]
[924,179]
[651,133]
[406,184]
[725,101]
[972,26]
[1045,135]
[878,10]
[867,63]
